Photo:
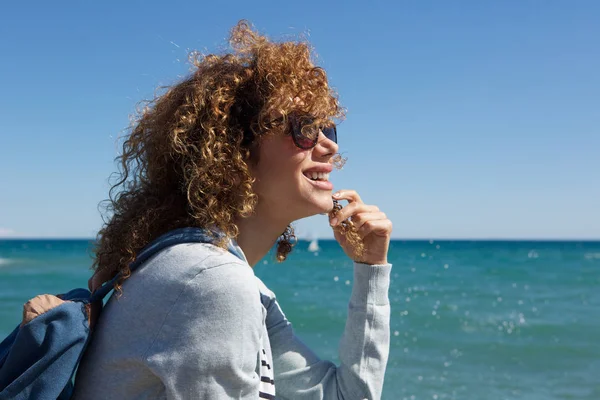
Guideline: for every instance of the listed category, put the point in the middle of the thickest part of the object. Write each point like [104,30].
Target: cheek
[280,165]
[286,171]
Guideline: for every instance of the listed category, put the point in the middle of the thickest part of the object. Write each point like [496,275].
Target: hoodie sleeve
[363,351]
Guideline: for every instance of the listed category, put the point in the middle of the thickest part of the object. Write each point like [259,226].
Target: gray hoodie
[194,322]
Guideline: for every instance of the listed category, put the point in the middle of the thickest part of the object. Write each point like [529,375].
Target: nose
[326,146]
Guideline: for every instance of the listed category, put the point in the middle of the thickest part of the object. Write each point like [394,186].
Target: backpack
[39,358]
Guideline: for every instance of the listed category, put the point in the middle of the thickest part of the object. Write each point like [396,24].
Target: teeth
[321,176]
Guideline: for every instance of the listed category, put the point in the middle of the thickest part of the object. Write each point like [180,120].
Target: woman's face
[285,182]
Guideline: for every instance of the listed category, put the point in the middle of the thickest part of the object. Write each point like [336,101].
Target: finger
[380,227]
[360,219]
[349,195]
[351,209]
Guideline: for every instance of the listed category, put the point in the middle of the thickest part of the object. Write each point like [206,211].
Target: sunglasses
[306,135]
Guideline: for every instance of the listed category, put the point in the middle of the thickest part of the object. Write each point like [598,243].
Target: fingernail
[336,194]
[334,222]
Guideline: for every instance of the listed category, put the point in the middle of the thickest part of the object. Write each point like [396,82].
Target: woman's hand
[373,226]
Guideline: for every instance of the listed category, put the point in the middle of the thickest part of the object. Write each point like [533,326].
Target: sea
[470,319]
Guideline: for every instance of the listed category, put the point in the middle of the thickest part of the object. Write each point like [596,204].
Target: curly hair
[185,161]
[348,229]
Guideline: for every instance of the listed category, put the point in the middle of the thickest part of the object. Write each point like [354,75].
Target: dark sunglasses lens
[307,140]
[330,133]
[301,139]
[304,142]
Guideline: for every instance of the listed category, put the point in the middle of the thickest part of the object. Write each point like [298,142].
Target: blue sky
[466,119]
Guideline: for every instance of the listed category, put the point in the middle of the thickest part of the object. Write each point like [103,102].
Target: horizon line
[308,239]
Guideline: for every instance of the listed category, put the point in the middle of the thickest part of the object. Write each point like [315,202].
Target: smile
[321,181]
[317,176]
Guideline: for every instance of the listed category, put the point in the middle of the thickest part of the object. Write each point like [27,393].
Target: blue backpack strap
[172,238]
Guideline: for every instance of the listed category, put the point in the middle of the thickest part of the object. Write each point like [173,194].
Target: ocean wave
[592,256]
[533,254]
[5,262]
[502,321]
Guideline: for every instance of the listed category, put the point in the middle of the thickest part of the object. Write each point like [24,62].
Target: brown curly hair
[348,229]
[185,161]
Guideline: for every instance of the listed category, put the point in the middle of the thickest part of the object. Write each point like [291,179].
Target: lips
[318,173]
[317,176]
[320,184]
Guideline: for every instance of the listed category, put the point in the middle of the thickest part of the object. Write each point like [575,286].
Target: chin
[323,204]
[316,200]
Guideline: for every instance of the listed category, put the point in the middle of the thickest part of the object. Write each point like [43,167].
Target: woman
[242,148]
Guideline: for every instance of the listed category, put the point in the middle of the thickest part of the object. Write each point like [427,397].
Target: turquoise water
[470,320]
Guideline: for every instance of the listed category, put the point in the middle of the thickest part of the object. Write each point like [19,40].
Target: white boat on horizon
[313,246]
